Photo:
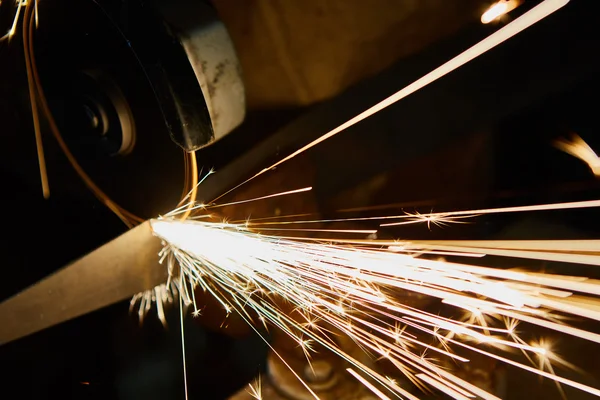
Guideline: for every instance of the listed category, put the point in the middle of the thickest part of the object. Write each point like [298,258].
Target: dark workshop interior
[480,137]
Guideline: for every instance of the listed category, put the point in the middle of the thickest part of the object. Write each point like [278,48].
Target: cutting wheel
[105,107]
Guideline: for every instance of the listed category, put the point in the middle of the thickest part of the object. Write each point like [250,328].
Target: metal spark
[352,290]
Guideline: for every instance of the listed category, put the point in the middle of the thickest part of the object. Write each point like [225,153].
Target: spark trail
[354,290]
[536,14]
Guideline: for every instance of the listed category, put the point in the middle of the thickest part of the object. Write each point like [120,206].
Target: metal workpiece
[113,272]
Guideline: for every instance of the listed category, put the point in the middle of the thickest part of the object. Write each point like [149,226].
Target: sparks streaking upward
[351,290]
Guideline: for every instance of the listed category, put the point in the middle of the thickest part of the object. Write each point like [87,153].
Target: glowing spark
[495,11]
[255,390]
[583,258]
[438,219]
[351,289]
[274,217]
[442,218]
[590,246]
[578,148]
[13,28]
[362,231]
[185,385]
[197,313]
[539,207]
[306,189]
[499,9]
[443,387]
[368,384]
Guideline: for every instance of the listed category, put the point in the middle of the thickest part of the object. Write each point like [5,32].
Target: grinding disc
[106,109]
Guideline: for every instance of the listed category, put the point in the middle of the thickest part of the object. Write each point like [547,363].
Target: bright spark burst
[255,389]
[408,218]
[354,290]
[351,288]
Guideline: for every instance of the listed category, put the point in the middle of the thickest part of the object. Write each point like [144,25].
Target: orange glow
[578,148]
[353,290]
[498,9]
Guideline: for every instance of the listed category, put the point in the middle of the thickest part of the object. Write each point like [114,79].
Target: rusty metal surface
[113,272]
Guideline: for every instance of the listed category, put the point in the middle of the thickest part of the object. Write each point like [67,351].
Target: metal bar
[114,272]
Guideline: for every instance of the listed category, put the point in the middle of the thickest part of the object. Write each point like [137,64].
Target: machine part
[98,79]
[113,272]
[101,123]
[133,78]
[168,70]
[190,62]
[213,59]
